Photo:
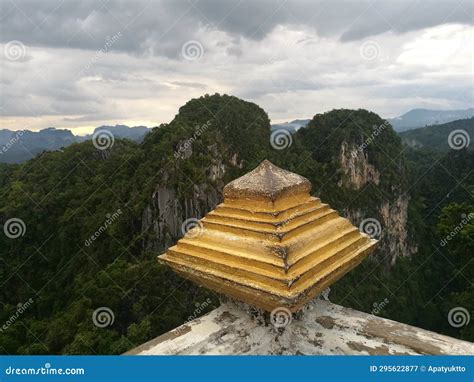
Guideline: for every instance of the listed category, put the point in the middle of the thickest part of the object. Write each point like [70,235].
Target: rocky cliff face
[392,213]
[167,211]
[356,168]
[363,175]
[395,234]
[392,232]
[214,140]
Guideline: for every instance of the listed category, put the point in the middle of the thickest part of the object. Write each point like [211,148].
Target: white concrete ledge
[325,328]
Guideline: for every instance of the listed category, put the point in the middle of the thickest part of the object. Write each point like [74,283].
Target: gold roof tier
[270,244]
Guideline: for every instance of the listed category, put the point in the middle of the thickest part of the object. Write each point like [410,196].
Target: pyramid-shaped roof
[267,181]
[270,244]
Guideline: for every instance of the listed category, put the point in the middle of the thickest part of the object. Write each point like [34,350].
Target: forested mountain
[417,118]
[363,174]
[94,220]
[422,289]
[445,137]
[19,146]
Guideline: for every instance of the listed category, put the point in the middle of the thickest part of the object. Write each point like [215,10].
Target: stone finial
[270,244]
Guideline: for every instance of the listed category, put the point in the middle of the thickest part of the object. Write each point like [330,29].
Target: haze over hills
[413,119]
[135,133]
[19,146]
[438,137]
[292,126]
[416,118]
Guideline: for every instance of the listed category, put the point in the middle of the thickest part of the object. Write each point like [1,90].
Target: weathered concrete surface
[325,328]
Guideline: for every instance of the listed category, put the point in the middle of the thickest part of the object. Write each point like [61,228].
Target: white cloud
[447,47]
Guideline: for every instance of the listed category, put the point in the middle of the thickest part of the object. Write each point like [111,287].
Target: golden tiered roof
[270,244]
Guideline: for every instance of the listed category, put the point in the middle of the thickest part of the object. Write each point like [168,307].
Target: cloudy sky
[82,64]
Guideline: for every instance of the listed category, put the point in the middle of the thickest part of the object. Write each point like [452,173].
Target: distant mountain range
[414,119]
[136,133]
[417,118]
[439,137]
[292,126]
[19,146]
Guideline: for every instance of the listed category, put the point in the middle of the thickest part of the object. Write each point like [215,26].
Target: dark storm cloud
[144,26]
[161,27]
[84,63]
[401,16]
